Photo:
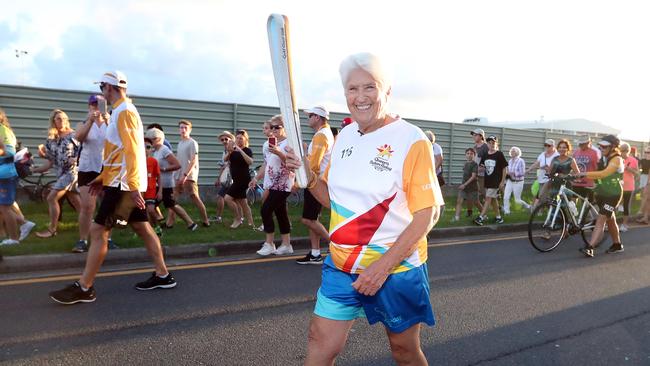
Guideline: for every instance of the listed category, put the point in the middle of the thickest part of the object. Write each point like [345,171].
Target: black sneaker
[112,245]
[587,251]
[478,221]
[192,227]
[310,259]
[73,294]
[615,248]
[80,247]
[499,220]
[155,282]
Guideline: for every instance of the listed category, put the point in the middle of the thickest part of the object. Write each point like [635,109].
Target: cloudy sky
[504,60]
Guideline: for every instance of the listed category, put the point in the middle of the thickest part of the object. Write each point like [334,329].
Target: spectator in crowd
[495,164]
[61,151]
[8,178]
[629,175]
[224,179]
[168,164]
[514,180]
[278,179]
[153,195]
[159,214]
[90,134]
[587,161]
[122,180]
[543,166]
[319,153]
[346,121]
[188,175]
[335,131]
[437,155]
[609,193]
[386,280]
[562,165]
[481,149]
[644,210]
[158,126]
[468,190]
[240,158]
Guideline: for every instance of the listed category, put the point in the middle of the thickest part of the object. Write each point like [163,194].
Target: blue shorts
[7,191]
[402,301]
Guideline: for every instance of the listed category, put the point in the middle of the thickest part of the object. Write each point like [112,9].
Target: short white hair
[367,62]
[624,146]
[516,150]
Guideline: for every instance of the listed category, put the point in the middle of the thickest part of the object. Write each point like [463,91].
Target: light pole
[20,53]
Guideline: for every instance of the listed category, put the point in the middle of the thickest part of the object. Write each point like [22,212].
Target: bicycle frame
[561,199]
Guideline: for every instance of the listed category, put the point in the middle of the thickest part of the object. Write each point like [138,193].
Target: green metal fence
[28,110]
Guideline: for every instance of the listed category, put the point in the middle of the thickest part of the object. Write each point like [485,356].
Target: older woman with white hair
[514,180]
[378,272]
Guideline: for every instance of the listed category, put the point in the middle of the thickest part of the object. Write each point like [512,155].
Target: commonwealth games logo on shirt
[381,161]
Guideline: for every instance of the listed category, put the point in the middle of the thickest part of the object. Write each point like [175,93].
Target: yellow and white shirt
[320,149]
[125,160]
[376,182]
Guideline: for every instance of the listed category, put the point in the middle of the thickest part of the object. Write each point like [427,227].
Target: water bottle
[573,208]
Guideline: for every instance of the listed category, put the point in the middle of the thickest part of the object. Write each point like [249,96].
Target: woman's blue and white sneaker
[267,249]
[284,249]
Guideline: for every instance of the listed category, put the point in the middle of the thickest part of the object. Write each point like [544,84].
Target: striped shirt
[517,168]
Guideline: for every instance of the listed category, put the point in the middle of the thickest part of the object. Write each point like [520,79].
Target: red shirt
[587,161]
[153,174]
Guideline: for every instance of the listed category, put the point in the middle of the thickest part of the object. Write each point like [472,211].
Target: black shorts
[238,189]
[109,206]
[223,190]
[311,208]
[168,197]
[607,204]
[84,178]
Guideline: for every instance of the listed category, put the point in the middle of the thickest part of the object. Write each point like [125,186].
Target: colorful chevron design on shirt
[360,230]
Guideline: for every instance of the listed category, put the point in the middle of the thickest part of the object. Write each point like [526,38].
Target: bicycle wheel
[546,227]
[588,224]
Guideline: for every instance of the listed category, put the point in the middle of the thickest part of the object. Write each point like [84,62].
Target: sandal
[46,234]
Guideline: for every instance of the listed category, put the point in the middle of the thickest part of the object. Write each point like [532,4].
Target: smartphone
[101,106]
[272,141]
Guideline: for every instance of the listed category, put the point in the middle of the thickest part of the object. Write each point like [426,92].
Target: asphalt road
[497,302]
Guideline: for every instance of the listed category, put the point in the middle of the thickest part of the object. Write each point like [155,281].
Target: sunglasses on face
[149,147]
[223,140]
[310,115]
[276,127]
[545,145]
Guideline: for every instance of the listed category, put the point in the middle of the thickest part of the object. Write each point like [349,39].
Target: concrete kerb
[44,262]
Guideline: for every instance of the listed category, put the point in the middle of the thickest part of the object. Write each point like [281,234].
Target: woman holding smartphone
[90,133]
[61,149]
[240,157]
[278,179]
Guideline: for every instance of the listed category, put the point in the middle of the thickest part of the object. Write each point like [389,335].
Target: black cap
[493,138]
[613,140]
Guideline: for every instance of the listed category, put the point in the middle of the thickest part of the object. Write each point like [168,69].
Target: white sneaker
[622,228]
[284,249]
[9,241]
[25,229]
[267,249]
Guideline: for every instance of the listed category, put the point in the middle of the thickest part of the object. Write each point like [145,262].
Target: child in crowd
[153,195]
[468,190]
[495,164]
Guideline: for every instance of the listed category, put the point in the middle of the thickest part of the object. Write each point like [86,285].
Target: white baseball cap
[116,78]
[319,110]
[154,133]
